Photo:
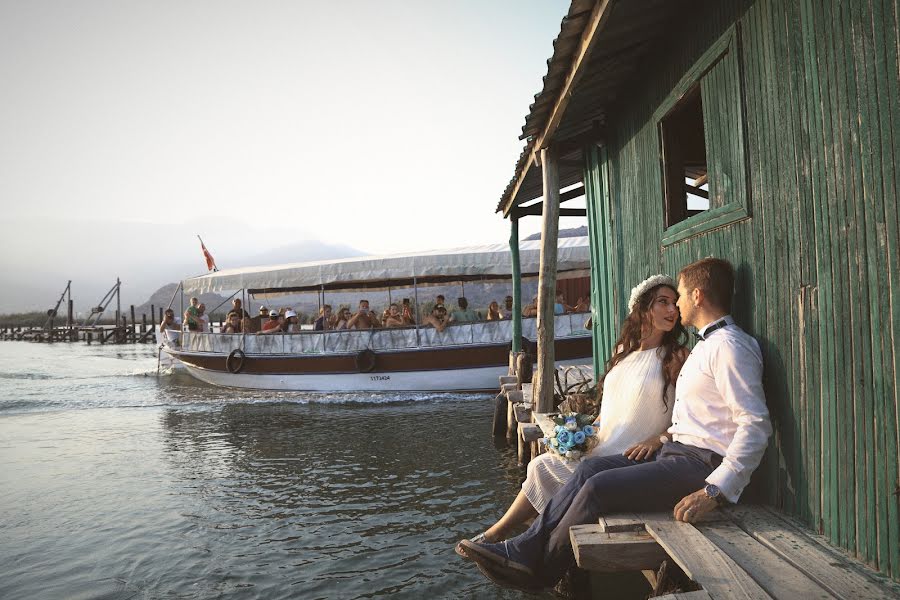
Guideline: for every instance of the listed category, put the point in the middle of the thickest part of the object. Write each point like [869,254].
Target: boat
[465,357]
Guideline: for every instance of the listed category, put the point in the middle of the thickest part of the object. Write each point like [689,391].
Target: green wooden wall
[803,115]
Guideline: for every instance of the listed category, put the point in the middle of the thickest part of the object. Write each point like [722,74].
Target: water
[118,483]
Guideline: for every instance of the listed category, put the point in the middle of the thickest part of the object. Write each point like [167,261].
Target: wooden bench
[745,552]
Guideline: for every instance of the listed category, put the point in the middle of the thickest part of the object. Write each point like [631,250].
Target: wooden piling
[543,385]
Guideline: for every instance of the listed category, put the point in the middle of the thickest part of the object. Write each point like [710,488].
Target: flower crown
[649,283]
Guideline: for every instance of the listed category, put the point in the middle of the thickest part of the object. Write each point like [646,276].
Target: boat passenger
[530,310]
[437,318]
[638,392]
[394,317]
[507,307]
[324,322]
[168,323]
[493,313]
[192,315]
[560,307]
[233,324]
[264,312]
[275,321]
[364,318]
[291,322]
[439,300]
[407,313]
[203,318]
[463,314]
[583,305]
[237,306]
[341,319]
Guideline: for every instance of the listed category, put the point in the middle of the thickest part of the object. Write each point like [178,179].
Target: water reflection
[349,500]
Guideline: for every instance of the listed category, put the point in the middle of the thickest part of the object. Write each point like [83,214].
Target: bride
[637,395]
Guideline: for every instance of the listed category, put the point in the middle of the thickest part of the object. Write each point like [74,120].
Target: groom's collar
[709,328]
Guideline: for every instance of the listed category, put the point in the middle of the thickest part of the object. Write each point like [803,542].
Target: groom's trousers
[605,485]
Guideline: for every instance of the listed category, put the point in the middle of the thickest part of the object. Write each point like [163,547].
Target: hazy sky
[383,125]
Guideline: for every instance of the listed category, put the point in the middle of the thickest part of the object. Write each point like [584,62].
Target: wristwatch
[713,491]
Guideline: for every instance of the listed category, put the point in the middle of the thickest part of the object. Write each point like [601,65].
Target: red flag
[210,261]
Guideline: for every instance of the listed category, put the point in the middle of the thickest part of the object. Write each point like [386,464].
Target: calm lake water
[118,483]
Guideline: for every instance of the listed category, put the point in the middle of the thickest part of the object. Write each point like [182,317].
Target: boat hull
[459,368]
[477,379]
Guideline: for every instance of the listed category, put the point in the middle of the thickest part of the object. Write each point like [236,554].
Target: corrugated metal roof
[631,28]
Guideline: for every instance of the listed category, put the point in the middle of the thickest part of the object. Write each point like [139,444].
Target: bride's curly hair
[630,340]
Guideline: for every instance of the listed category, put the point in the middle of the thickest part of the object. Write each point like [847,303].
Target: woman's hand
[643,450]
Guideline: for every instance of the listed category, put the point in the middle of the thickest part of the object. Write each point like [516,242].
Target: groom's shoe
[495,556]
[511,579]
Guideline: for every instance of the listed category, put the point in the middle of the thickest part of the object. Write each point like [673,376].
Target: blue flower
[589,430]
[559,428]
[578,438]
[564,437]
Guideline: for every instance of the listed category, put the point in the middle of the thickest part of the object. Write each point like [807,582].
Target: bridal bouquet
[573,436]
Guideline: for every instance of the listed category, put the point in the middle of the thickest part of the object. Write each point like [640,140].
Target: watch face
[712,490]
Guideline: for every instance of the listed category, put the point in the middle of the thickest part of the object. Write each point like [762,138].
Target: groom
[720,429]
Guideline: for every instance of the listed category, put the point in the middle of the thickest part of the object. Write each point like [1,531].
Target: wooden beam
[537,209]
[596,21]
[546,360]
[614,551]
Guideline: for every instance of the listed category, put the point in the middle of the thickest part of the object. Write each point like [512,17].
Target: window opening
[684,159]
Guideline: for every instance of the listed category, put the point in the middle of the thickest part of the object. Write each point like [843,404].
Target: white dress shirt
[720,405]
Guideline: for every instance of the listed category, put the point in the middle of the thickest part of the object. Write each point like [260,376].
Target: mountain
[564,233]
[34,268]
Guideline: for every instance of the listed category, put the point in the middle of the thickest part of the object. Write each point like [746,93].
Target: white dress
[632,411]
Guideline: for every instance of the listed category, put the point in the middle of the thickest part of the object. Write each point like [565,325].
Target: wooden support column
[546,360]
[516,285]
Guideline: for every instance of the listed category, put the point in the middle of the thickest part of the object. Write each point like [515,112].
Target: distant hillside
[161,298]
[564,233]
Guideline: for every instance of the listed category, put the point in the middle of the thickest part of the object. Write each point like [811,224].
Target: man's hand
[693,506]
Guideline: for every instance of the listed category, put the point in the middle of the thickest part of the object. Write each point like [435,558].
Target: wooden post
[133,326]
[152,317]
[546,360]
[516,285]
[70,314]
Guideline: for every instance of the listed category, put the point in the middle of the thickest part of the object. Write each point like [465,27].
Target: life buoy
[365,361]
[235,361]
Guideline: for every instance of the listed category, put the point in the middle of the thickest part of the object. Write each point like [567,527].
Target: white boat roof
[491,261]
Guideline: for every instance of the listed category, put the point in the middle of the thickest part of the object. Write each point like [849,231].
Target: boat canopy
[488,262]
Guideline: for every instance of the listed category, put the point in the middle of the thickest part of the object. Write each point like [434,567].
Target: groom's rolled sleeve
[738,375]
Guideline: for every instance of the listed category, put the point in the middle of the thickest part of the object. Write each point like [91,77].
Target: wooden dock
[742,552]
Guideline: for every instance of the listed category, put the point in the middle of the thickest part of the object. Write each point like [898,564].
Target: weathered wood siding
[818,131]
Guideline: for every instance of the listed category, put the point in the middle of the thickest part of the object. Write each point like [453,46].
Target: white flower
[650,282]
[572,426]
[568,454]
[573,454]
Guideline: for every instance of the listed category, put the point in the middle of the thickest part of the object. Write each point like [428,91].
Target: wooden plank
[544,421]
[833,572]
[704,562]
[621,522]
[611,552]
[530,432]
[778,578]
[523,413]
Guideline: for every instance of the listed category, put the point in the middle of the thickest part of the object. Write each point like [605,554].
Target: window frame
[738,208]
